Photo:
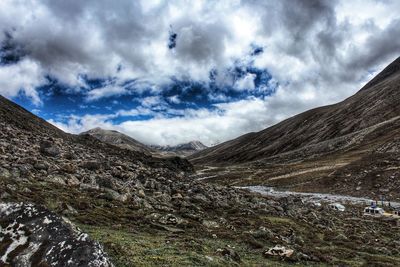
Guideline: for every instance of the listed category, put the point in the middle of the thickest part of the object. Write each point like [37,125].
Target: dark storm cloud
[301,20]
[314,34]
[10,51]
[382,46]
[200,42]
[87,35]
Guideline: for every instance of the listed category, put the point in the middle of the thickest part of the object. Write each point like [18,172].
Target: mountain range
[185,149]
[124,141]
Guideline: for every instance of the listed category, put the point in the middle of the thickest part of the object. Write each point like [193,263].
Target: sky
[168,72]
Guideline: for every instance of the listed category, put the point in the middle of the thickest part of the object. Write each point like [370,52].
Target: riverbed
[316,197]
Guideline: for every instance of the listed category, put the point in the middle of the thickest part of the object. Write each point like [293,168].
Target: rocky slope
[183,150]
[147,211]
[119,139]
[317,131]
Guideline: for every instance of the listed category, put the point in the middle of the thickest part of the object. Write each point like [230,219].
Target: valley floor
[372,176]
[231,236]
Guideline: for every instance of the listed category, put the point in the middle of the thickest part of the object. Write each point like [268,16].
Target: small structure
[337,206]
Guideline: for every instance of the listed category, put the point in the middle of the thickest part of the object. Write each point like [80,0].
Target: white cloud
[174,99]
[246,83]
[319,52]
[227,121]
[23,77]
[78,124]
[108,90]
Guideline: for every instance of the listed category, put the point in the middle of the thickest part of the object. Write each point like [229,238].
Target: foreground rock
[30,235]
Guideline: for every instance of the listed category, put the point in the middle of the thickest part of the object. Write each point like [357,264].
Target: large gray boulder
[31,235]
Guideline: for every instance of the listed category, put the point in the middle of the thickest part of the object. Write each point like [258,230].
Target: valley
[246,133]
[122,205]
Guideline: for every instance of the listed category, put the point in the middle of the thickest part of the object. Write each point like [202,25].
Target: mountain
[185,149]
[375,103]
[119,139]
[320,142]
[126,142]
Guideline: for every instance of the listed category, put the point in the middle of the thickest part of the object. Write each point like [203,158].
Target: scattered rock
[41,166]
[72,181]
[91,165]
[68,210]
[210,224]
[229,253]
[68,168]
[170,219]
[4,173]
[111,194]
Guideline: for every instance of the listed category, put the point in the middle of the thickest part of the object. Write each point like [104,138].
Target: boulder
[72,180]
[279,251]
[31,235]
[41,165]
[48,149]
[110,194]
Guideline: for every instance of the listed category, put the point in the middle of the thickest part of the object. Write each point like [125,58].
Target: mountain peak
[197,145]
[118,139]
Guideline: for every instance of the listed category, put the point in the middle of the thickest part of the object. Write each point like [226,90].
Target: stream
[315,197]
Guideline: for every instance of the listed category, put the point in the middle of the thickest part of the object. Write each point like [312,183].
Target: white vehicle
[375,211]
[337,206]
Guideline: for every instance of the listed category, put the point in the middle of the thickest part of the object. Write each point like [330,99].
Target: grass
[163,249]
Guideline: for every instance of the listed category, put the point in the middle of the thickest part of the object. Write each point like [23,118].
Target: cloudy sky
[167,72]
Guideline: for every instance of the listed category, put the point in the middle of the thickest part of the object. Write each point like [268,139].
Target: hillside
[375,103]
[350,147]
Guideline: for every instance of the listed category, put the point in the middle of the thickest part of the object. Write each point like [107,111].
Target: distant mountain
[119,139]
[185,149]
